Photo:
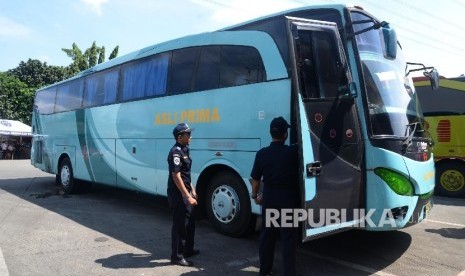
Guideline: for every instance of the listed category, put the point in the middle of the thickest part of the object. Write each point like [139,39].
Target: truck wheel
[65,177]
[450,179]
[227,204]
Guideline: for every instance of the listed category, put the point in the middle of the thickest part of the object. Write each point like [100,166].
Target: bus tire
[65,176]
[227,204]
[450,179]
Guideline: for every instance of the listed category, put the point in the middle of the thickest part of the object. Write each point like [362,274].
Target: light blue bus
[335,72]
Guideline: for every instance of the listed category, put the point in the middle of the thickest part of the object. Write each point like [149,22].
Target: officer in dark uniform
[181,197]
[278,165]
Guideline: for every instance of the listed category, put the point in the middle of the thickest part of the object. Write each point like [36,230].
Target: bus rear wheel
[450,179]
[228,205]
[65,177]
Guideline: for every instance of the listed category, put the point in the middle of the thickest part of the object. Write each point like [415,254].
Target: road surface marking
[3,268]
[446,223]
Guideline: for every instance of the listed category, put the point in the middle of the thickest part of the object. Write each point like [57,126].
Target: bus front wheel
[65,176]
[228,205]
[450,179]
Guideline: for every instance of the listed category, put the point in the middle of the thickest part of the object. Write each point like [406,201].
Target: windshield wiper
[408,141]
[375,26]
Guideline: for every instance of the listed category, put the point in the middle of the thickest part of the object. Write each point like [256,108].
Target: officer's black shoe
[182,262]
[191,253]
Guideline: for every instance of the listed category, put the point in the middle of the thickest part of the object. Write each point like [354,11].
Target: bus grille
[443,131]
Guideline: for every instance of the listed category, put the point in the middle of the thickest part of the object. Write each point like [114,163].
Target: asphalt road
[112,232]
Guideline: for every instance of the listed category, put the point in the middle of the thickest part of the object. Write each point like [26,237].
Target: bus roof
[284,13]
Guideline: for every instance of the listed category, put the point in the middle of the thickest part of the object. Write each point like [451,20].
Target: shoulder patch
[176,160]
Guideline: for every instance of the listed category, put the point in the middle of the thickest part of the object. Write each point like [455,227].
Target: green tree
[16,99]
[36,74]
[114,53]
[101,55]
[88,59]
[92,54]
[79,62]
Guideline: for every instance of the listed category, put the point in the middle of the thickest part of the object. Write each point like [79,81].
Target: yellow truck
[444,111]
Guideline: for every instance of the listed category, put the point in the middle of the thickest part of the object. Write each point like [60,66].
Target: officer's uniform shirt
[277,164]
[179,161]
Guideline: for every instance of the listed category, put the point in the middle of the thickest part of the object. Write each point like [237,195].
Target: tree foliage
[36,74]
[17,85]
[101,55]
[114,53]
[92,56]
[16,99]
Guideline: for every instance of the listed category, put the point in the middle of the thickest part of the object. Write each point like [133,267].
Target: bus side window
[182,70]
[69,96]
[101,89]
[45,101]
[321,70]
[240,65]
[208,71]
[157,75]
[329,68]
[146,78]
[307,66]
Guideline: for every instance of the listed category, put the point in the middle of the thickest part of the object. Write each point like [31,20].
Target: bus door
[328,128]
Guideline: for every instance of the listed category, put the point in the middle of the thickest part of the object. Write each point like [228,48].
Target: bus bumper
[390,211]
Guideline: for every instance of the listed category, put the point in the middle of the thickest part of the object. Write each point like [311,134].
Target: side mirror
[433,76]
[390,41]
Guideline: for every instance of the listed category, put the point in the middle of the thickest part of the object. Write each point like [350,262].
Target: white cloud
[9,28]
[95,5]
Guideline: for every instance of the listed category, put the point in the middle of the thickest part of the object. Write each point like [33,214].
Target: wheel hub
[452,180]
[225,203]
[65,176]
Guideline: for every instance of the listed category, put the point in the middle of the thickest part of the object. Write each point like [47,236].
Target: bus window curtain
[134,81]
[146,78]
[91,92]
[157,76]
[110,87]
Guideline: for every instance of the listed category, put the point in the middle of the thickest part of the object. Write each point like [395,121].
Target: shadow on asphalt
[451,233]
[141,221]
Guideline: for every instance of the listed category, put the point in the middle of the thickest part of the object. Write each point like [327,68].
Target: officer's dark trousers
[183,229]
[278,199]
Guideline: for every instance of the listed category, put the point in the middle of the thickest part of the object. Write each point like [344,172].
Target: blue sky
[430,31]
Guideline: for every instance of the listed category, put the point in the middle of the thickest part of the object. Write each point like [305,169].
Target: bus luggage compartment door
[135,164]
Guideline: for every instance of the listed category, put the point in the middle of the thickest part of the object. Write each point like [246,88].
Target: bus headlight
[397,182]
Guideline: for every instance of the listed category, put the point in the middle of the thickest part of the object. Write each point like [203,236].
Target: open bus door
[328,129]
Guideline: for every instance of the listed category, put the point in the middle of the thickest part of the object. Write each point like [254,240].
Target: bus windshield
[393,105]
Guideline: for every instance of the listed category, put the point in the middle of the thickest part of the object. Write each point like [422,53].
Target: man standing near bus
[278,165]
[181,197]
